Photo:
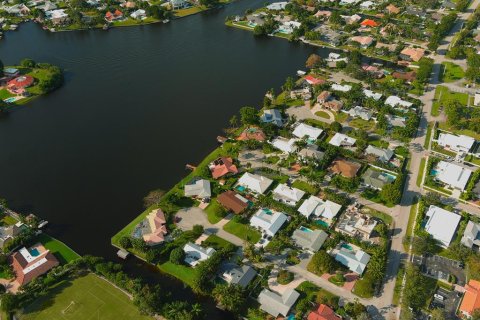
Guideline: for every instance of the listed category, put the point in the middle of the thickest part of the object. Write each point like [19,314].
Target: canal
[137,105]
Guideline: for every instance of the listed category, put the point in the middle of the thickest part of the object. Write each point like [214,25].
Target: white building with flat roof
[268,221]
[288,195]
[455,143]
[441,224]
[304,130]
[341,88]
[342,140]
[453,175]
[285,145]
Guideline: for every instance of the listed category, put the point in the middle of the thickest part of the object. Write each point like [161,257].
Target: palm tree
[197,310]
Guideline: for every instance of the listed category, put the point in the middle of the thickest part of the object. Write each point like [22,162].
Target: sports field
[85,298]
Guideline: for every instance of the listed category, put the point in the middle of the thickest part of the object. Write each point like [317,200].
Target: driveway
[304,112]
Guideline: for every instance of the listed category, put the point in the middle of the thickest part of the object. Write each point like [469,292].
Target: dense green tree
[322,263]
[249,115]
[176,256]
[232,297]
[125,242]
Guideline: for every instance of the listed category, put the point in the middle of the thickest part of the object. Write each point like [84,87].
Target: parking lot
[446,300]
[441,268]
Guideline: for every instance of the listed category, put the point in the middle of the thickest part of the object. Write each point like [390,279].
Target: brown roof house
[31,263]
[392,9]
[407,76]
[232,201]
[347,169]
[412,54]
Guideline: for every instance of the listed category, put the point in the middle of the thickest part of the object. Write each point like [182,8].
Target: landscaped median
[421,171]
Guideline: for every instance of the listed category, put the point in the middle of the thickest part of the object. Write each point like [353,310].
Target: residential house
[325,209]
[385,47]
[471,235]
[355,224]
[139,14]
[351,257]
[277,6]
[153,228]
[17,9]
[471,299]
[476,99]
[58,16]
[456,143]
[311,80]
[392,9]
[369,23]
[341,88]
[285,145]
[342,140]
[361,112]
[323,14]
[47,6]
[115,16]
[348,2]
[412,54]
[452,175]
[408,77]
[441,224]
[178,4]
[254,182]
[222,166]
[199,188]
[268,221]
[326,100]
[307,239]
[233,201]
[414,11]
[351,19]
[328,35]
[395,101]
[383,155]
[303,130]
[31,263]
[276,304]
[252,133]
[323,97]
[323,312]
[395,121]
[11,72]
[363,41]
[8,233]
[347,169]
[311,152]
[272,116]
[235,275]
[377,179]
[288,195]
[372,95]
[194,254]
[366,5]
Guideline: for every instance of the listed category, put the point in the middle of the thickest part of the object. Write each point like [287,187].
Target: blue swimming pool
[347,246]
[34,252]
[304,229]
[322,223]
[433,172]
[240,188]
[10,100]
[291,317]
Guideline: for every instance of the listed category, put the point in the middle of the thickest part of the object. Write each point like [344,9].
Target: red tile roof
[369,23]
[222,166]
[252,133]
[38,265]
[314,81]
[471,300]
[323,312]
[21,82]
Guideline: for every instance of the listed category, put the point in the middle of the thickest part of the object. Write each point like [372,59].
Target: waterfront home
[303,130]
[254,183]
[287,27]
[178,4]
[360,112]
[363,41]
[252,133]
[153,228]
[19,10]
[235,275]
[455,143]
[288,195]
[310,240]
[311,80]
[285,145]
[276,304]
[351,257]
[348,2]
[194,254]
[347,169]
[395,101]
[268,221]
[311,152]
[471,299]
[11,72]
[328,35]
[198,188]
[412,54]
[342,140]
[8,233]
[277,6]
[452,175]
[323,312]
[325,209]
[471,235]
[341,88]
[441,224]
[221,167]
[355,224]
[272,116]
[377,179]
[139,14]
[233,201]
[47,6]
[382,155]
[31,263]
[19,84]
[115,16]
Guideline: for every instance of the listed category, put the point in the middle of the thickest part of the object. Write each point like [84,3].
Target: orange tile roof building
[31,263]
[412,54]
[323,312]
[154,229]
[369,23]
[471,299]
[221,167]
[252,133]
[345,168]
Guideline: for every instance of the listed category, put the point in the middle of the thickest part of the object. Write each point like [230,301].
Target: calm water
[138,104]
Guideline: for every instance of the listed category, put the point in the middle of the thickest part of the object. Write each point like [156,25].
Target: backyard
[61,251]
[243,231]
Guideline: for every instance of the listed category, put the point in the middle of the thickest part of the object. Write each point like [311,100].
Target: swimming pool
[240,188]
[322,223]
[433,172]
[389,177]
[10,100]
[34,252]
[291,317]
[305,229]
[347,246]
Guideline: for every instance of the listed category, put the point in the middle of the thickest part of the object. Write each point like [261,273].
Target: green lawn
[428,135]
[398,285]
[421,170]
[63,253]
[451,72]
[470,133]
[181,272]
[341,117]
[8,220]
[411,221]
[88,297]
[305,186]
[216,242]
[362,124]
[473,159]
[189,11]
[4,94]
[243,231]
[443,151]
[322,114]
[213,208]
[378,214]
[443,94]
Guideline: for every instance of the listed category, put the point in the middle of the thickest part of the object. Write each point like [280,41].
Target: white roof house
[268,221]
[56,14]
[441,224]
[394,101]
[318,207]
[139,14]
[383,155]
[302,130]
[352,257]
[476,99]
[366,4]
[288,195]
[199,188]
[276,304]
[455,143]
[370,94]
[342,88]
[195,253]
[277,6]
[453,175]
[311,240]
[272,116]
[361,112]
[254,182]
[340,139]
[285,145]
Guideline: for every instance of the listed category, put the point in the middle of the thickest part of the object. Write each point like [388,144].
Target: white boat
[42,224]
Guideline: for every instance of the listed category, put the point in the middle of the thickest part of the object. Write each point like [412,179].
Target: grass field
[322,114]
[428,135]
[243,231]
[420,172]
[305,186]
[362,124]
[442,95]
[451,72]
[181,272]
[212,210]
[63,253]
[88,297]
